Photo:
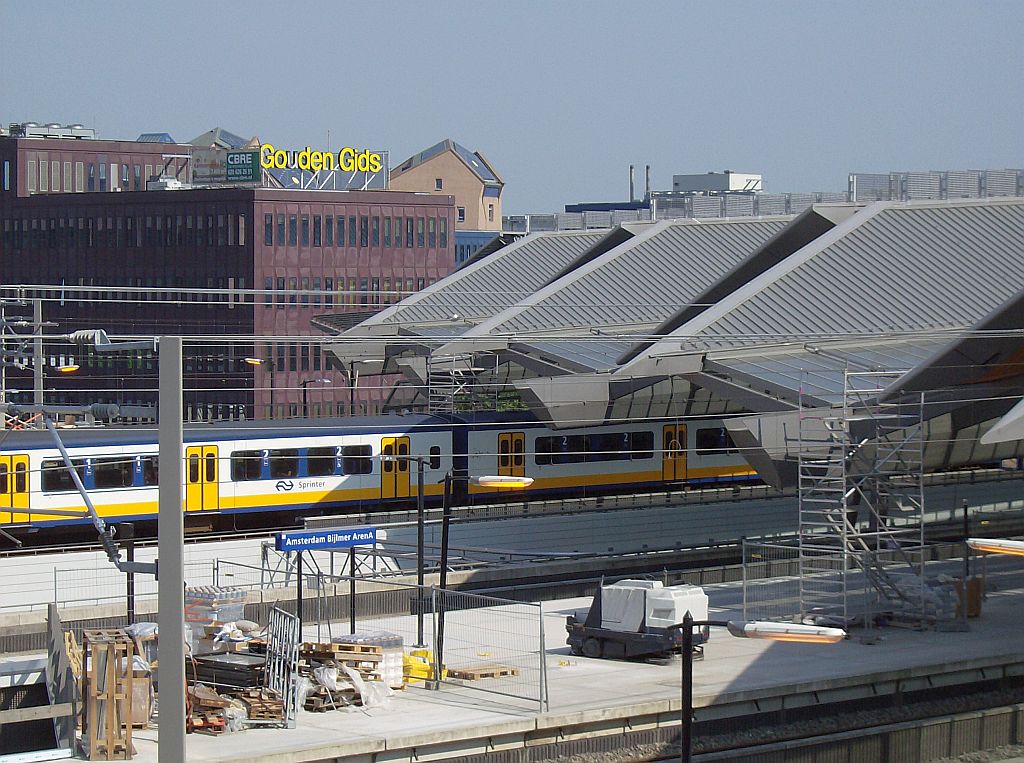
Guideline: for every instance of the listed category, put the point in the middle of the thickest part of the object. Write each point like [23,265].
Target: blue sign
[313,541]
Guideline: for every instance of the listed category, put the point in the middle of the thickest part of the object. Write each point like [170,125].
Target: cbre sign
[242,166]
[326,539]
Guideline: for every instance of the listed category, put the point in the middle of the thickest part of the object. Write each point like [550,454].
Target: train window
[20,481]
[112,472]
[642,445]
[284,463]
[403,452]
[150,471]
[387,454]
[503,456]
[5,480]
[517,452]
[570,449]
[435,457]
[210,461]
[714,442]
[193,468]
[320,462]
[246,464]
[608,446]
[542,457]
[55,476]
[358,459]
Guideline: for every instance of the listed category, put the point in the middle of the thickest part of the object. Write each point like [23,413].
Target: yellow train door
[202,487]
[512,454]
[14,488]
[673,454]
[394,467]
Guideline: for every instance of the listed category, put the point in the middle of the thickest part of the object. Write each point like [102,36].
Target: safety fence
[83,586]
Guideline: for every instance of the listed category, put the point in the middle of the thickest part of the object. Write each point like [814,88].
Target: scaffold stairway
[861,500]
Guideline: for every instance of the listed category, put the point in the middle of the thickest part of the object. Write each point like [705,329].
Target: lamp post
[802,634]
[502,481]
[305,400]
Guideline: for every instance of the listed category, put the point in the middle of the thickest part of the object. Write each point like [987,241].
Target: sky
[561,97]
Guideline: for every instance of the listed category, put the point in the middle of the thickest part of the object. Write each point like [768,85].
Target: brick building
[247,262]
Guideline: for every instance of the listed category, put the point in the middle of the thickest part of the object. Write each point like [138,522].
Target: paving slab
[610,694]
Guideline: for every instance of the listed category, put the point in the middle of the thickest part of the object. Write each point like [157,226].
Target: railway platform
[599,705]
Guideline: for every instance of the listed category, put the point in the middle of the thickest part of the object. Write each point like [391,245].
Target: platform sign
[326,539]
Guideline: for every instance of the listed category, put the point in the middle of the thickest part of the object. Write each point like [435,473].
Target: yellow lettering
[328,160]
[304,159]
[266,154]
[280,159]
[346,159]
[375,163]
[316,161]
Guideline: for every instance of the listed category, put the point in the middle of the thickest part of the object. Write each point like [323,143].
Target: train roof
[245,430]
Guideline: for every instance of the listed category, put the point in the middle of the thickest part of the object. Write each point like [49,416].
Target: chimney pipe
[631,193]
[647,192]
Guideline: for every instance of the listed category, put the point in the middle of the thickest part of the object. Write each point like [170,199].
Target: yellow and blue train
[300,467]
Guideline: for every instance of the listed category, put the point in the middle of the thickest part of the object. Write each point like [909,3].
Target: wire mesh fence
[771,580]
[82,586]
[458,640]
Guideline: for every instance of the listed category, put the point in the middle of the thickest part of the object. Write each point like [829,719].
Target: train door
[512,454]
[13,488]
[394,467]
[673,454]
[202,488]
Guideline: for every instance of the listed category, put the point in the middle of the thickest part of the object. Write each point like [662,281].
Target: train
[239,474]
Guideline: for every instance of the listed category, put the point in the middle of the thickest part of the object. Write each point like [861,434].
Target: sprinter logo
[347,159]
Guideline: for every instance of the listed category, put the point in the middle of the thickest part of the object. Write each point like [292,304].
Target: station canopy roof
[766,314]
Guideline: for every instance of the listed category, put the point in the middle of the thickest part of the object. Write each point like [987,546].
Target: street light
[997,546]
[493,481]
[793,633]
[305,400]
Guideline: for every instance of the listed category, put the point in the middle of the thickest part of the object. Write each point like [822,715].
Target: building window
[305,230]
[280,304]
[462,214]
[341,231]
[431,232]
[79,177]
[138,176]
[44,175]
[317,231]
[328,231]
[67,177]
[328,292]
[409,229]
[490,213]
[103,176]
[364,284]
[293,354]
[375,290]
[364,231]
[305,291]
[268,292]
[7,174]
[268,229]
[316,292]
[293,288]
[387,231]
[438,184]
[304,358]
[31,177]
[351,230]
[419,233]
[293,230]
[125,177]
[444,232]
[398,232]
[375,240]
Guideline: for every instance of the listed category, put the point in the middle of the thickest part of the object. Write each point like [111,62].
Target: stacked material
[233,669]
[212,604]
[391,652]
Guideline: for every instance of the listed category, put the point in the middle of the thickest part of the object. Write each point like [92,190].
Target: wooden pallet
[482,671]
[209,722]
[321,699]
[313,646]
[262,704]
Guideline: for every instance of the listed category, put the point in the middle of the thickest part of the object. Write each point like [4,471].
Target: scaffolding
[861,492]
